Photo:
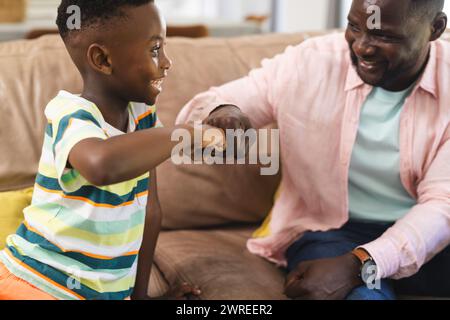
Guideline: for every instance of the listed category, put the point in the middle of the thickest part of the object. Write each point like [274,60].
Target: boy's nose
[166,64]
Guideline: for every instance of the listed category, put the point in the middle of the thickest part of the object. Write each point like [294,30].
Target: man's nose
[363,46]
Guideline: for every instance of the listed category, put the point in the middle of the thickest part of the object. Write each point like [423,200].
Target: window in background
[223,17]
[234,10]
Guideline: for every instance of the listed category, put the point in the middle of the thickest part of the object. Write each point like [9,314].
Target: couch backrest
[33,71]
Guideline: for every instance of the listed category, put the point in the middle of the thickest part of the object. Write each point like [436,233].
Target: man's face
[138,55]
[393,56]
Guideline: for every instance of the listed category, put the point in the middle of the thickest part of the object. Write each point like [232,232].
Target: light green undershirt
[376,192]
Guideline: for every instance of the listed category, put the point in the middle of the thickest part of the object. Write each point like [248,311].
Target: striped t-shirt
[80,241]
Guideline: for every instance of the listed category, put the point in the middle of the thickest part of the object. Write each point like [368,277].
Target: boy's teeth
[157,83]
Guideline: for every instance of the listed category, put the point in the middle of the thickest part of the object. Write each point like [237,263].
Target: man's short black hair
[93,12]
[426,8]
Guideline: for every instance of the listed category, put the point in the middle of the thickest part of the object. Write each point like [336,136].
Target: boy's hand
[185,291]
[213,137]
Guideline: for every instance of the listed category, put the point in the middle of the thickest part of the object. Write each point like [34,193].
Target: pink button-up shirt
[314,93]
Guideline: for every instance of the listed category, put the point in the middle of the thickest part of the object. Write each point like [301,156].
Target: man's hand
[228,117]
[231,117]
[324,279]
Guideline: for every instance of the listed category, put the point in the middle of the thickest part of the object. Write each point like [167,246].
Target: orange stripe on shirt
[92,203]
[91,255]
[142,116]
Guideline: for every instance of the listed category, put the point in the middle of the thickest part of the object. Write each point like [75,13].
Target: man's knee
[365,293]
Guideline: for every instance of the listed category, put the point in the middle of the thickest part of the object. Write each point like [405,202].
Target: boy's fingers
[187,288]
[196,291]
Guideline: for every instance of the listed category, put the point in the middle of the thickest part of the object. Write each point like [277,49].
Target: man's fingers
[293,279]
[295,289]
[295,282]
[225,123]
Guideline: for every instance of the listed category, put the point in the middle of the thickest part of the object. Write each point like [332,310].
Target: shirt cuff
[386,256]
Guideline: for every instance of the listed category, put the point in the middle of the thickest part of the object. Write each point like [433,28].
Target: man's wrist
[368,267]
[355,267]
[362,255]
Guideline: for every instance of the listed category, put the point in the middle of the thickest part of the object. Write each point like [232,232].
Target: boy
[90,214]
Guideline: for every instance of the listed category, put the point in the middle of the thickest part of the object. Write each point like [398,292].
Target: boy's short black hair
[93,12]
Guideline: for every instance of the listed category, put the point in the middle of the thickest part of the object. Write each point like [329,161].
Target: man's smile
[369,66]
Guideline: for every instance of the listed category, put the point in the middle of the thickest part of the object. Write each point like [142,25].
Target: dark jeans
[433,279]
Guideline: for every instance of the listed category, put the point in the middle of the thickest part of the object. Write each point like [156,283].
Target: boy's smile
[139,61]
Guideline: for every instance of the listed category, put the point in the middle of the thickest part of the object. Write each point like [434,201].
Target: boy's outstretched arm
[124,157]
[152,227]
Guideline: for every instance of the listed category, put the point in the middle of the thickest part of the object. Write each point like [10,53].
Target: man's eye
[387,38]
[353,27]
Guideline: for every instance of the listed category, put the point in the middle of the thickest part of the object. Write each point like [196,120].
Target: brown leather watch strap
[362,255]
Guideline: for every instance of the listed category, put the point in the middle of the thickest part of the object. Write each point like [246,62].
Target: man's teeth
[368,63]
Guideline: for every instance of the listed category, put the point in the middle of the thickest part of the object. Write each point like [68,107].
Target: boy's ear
[99,59]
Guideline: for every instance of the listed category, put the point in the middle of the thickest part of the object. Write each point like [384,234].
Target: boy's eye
[155,50]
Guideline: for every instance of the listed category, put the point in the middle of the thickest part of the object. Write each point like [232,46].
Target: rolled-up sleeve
[425,231]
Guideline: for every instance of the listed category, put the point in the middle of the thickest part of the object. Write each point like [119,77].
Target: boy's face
[138,59]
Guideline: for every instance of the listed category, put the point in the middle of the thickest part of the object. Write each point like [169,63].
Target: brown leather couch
[209,211]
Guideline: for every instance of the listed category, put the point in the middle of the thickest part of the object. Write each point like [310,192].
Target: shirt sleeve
[68,130]
[148,119]
[425,231]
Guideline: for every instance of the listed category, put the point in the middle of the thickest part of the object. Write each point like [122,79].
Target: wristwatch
[368,271]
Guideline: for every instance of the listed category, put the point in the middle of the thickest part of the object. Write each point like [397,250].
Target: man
[365,137]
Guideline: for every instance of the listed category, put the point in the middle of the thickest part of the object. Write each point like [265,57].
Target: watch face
[369,272]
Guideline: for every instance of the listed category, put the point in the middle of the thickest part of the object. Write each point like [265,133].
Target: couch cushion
[158,285]
[218,262]
[11,213]
[32,72]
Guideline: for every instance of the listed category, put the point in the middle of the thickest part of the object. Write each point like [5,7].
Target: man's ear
[438,27]
[99,59]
